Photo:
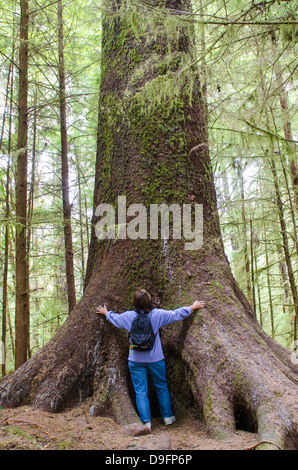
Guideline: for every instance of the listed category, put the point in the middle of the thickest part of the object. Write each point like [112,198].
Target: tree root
[110,384]
[270,446]
[238,385]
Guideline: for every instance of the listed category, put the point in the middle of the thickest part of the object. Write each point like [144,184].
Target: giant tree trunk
[152,147]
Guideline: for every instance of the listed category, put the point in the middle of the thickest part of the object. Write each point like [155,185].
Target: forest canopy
[247,62]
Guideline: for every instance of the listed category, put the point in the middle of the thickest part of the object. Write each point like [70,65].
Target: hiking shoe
[169,420]
[148,425]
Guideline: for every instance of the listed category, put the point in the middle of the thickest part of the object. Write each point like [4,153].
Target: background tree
[71,291]
[22,269]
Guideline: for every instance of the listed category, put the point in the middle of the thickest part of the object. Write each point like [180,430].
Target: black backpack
[142,337]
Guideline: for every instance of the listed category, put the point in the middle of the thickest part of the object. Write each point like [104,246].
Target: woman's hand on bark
[102,310]
[197,304]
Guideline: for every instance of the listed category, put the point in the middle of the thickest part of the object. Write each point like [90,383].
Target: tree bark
[69,263]
[31,208]
[269,286]
[82,226]
[253,287]
[244,232]
[22,271]
[220,362]
[5,270]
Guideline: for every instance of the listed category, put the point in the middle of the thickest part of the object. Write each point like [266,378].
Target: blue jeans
[157,371]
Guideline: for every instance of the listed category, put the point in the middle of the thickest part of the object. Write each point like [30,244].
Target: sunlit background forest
[247,57]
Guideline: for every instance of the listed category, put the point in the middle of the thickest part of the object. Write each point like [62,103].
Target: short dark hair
[142,301]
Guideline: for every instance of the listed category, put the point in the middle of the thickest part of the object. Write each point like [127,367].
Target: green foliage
[246,85]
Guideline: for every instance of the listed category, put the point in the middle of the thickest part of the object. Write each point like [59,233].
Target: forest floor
[26,428]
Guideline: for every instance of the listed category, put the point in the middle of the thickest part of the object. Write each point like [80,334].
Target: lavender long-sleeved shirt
[158,318]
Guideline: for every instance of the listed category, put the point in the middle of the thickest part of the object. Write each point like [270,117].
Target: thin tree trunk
[244,234]
[252,266]
[259,293]
[285,242]
[69,262]
[5,273]
[7,248]
[32,182]
[287,305]
[22,272]
[269,286]
[229,209]
[283,99]
[290,197]
[31,204]
[86,220]
[283,274]
[11,333]
[5,306]
[203,62]
[9,89]
[81,228]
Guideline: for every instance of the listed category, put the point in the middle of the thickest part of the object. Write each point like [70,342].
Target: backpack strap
[139,312]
